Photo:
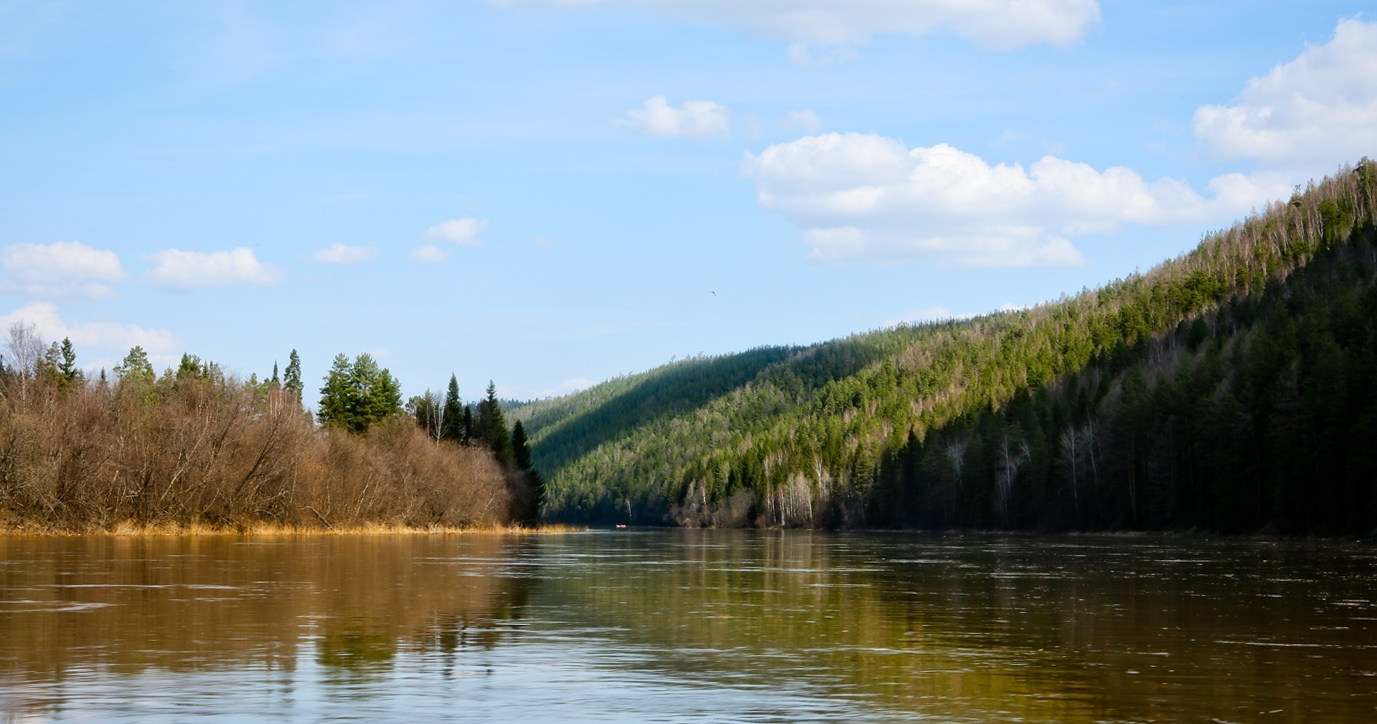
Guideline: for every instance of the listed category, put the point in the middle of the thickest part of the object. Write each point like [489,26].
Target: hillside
[1229,389]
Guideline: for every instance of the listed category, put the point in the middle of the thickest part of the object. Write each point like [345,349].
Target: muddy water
[686,626]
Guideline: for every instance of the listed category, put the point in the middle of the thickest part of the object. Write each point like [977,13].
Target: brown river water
[686,626]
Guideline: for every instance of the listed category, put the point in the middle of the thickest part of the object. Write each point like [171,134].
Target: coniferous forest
[1232,389]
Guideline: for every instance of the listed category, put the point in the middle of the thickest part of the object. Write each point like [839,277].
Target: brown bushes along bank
[204,450]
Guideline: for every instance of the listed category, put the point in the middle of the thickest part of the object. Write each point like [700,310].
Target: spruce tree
[452,420]
[521,447]
[72,375]
[493,427]
[291,380]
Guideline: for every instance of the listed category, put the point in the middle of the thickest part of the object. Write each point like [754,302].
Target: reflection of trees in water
[182,604]
[1043,629]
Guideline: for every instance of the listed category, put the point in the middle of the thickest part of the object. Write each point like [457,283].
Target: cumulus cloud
[1310,115]
[345,254]
[111,339]
[463,232]
[993,24]
[696,120]
[187,270]
[61,269]
[872,199]
[428,254]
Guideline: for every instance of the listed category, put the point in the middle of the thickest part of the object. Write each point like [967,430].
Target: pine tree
[135,367]
[357,396]
[336,396]
[275,382]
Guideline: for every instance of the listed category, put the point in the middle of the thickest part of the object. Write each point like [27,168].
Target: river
[686,626]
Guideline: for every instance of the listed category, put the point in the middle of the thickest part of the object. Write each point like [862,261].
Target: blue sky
[547,193]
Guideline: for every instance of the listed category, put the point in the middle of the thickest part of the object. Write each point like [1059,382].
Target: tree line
[195,446]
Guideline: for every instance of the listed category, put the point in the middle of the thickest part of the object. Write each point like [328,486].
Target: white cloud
[186,270]
[61,269]
[802,121]
[345,254]
[868,198]
[109,338]
[429,254]
[993,24]
[463,232]
[1309,115]
[697,120]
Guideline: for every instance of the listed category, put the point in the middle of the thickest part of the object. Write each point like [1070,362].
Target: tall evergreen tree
[336,396]
[275,382]
[521,447]
[291,380]
[492,427]
[71,375]
[452,417]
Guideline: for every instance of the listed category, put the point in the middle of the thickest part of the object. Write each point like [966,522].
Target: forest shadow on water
[683,625]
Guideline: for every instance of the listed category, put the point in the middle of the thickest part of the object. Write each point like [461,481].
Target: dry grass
[132,529]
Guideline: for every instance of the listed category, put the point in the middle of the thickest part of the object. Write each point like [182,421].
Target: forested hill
[1233,388]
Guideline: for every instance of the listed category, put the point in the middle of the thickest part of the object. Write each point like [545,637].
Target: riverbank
[131,529]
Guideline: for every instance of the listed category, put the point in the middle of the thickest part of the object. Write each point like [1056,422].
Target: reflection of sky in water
[686,626]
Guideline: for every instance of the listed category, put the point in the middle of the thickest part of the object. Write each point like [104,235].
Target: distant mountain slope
[899,427]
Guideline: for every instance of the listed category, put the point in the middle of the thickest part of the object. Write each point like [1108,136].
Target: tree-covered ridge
[795,445]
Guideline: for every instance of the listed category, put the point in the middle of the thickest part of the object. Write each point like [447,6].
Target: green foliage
[135,367]
[521,448]
[359,395]
[492,427]
[1004,420]
[453,426]
[69,375]
[291,378]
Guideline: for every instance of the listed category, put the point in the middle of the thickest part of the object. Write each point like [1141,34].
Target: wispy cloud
[344,254]
[428,254]
[463,232]
[695,120]
[992,24]
[187,270]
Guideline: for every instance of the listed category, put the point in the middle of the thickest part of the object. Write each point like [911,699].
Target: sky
[550,193]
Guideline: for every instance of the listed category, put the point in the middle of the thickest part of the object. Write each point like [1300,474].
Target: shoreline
[132,530]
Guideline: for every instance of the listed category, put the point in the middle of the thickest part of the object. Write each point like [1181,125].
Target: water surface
[680,626]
